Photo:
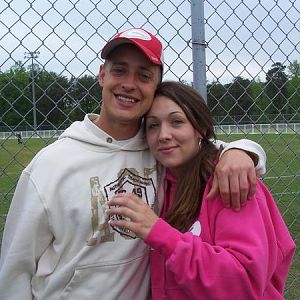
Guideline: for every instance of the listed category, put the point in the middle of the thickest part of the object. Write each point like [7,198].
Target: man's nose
[129,83]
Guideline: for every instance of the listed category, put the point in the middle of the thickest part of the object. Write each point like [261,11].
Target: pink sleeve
[233,257]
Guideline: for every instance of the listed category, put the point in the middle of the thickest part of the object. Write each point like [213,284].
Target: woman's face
[170,135]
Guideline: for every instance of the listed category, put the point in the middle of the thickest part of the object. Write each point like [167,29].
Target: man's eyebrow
[121,63]
[142,67]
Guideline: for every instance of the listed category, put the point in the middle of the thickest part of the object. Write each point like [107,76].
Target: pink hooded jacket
[225,255]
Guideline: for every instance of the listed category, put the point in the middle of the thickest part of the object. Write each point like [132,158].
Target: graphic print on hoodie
[128,181]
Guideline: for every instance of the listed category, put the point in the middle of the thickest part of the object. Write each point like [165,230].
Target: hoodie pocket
[110,281]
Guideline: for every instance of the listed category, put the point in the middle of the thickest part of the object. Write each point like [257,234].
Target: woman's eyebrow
[171,113]
[177,112]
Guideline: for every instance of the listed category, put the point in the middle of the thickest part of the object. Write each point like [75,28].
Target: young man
[57,242]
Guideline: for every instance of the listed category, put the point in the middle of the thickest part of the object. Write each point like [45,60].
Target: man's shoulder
[51,154]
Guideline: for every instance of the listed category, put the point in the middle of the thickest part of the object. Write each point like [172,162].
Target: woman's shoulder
[261,199]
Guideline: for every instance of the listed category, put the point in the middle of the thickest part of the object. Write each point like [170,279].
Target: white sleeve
[26,236]
[249,146]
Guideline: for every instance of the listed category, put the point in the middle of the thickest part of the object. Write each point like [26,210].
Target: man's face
[129,81]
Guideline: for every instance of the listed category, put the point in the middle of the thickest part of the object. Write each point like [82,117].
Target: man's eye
[145,77]
[118,70]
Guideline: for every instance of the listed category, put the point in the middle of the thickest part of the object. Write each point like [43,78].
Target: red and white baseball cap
[142,39]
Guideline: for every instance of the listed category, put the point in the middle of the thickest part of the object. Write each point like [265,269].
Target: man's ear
[101,75]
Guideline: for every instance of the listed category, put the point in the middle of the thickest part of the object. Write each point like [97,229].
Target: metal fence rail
[243,56]
[243,129]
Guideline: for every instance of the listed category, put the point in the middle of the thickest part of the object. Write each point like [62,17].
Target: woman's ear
[200,135]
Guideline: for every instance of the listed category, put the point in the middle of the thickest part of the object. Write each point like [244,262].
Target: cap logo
[136,34]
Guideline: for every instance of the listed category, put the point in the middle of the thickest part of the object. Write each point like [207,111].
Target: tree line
[275,100]
[59,100]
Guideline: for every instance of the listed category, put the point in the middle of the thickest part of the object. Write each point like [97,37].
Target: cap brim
[110,46]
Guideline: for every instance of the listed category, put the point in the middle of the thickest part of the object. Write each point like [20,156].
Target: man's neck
[117,130]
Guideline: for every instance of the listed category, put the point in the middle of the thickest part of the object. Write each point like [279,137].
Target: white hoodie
[57,243]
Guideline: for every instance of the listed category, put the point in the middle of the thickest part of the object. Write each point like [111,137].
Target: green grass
[13,159]
[282,177]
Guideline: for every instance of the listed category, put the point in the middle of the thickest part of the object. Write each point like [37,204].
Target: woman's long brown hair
[190,187]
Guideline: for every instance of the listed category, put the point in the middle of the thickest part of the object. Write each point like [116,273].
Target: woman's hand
[138,216]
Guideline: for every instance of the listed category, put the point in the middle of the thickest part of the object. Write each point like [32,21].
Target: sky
[244,38]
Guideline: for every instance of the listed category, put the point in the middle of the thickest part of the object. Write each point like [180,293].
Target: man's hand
[234,178]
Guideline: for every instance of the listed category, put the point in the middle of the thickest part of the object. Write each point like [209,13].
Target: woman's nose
[164,134]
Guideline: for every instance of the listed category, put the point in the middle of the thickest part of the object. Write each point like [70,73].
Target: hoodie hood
[87,132]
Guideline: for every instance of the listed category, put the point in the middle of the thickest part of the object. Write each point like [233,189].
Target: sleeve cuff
[252,147]
[163,237]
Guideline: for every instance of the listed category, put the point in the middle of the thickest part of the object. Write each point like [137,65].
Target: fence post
[198,47]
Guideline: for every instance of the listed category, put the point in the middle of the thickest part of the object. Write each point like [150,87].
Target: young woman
[201,250]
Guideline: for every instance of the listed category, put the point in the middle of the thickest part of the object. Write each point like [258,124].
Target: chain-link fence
[49,60]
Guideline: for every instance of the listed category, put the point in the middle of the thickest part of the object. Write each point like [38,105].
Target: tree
[294,99]
[242,101]
[294,69]
[259,110]
[85,96]
[15,97]
[294,91]
[276,88]
[51,92]
[215,96]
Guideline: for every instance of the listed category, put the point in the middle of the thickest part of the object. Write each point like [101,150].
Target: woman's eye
[177,122]
[152,125]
